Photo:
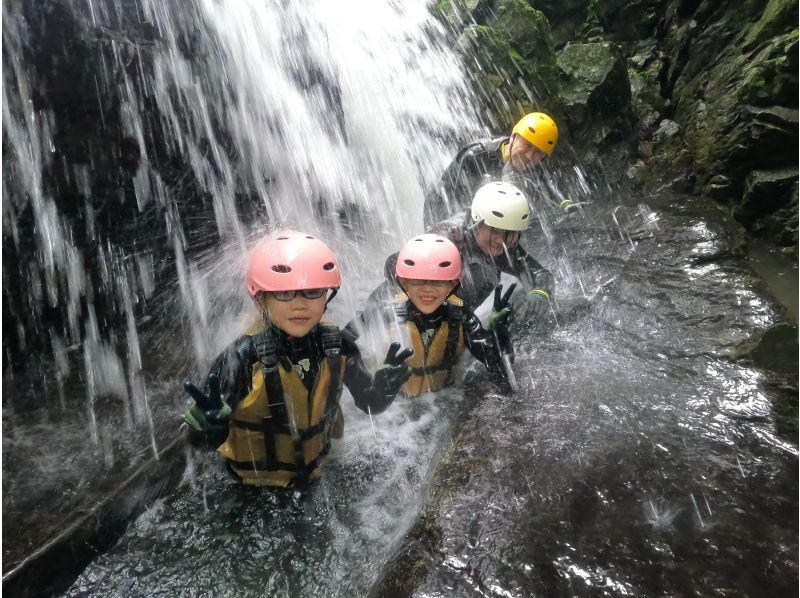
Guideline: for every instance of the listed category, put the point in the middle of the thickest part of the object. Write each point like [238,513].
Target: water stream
[637,459]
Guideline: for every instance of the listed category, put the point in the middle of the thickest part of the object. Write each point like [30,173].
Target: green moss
[773,21]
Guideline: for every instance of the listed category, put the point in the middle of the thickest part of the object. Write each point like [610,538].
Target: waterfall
[148,144]
[232,119]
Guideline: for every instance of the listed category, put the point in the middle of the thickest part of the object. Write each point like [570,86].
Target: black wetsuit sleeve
[358,380]
[530,272]
[442,199]
[472,165]
[233,367]
[482,344]
[377,307]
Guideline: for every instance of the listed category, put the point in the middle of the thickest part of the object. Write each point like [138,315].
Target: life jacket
[433,366]
[280,433]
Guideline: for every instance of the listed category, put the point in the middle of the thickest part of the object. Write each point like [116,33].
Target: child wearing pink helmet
[439,327]
[273,395]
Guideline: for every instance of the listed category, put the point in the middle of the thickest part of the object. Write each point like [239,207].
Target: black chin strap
[334,291]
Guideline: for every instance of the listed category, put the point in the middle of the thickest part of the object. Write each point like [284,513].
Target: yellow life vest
[280,433]
[433,367]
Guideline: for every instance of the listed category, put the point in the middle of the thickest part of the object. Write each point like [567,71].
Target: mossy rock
[527,28]
[772,22]
[596,93]
[455,13]
[506,83]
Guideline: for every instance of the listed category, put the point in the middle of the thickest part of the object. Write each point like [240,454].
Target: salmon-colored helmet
[429,257]
[291,261]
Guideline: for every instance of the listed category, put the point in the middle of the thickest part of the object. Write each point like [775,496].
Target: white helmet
[501,205]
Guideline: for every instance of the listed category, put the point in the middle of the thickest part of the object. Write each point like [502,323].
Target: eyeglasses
[416,282]
[289,295]
[509,236]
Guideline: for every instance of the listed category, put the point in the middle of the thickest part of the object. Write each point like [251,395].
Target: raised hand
[394,372]
[210,412]
[501,308]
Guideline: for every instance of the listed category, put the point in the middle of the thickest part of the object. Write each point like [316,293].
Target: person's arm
[377,307]
[371,394]
[534,277]
[481,343]
[441,199]
[229,380]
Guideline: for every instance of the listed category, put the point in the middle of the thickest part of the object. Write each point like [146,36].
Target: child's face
[427,295]
[295,317]
[524,155]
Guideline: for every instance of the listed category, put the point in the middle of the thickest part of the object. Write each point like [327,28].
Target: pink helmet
[291,261]
[429,257]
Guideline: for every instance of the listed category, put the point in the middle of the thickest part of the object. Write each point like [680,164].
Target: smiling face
[490,240]
[523,155]
[296,317]
[427,295]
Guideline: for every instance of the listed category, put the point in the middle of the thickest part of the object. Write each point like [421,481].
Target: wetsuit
[481,272]
[476,164]
[438,339]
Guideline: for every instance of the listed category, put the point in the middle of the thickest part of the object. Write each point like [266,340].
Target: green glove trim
[541,292]
[565,204]
[496,318]
[195,418]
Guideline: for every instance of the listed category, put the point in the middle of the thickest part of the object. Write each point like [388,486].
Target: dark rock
[666,130]
[596,92]
[776,349]
[769,204]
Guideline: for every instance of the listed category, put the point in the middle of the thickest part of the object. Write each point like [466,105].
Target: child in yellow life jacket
[439,327]
[273,395]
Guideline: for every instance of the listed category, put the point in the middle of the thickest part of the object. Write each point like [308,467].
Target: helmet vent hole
[329,266]
[498,214]
[281,269]
[309,237]
[532,130]
[283,238]
[440,240]
[525,217]
[445,264]
[408,262]
[418,240]
[550,143]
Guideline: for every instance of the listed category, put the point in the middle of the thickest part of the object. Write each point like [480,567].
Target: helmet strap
[455,288]
[334,291]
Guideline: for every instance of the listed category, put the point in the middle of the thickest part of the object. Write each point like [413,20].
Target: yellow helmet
[539,130]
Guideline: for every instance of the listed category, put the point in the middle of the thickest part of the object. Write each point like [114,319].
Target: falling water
[234,120]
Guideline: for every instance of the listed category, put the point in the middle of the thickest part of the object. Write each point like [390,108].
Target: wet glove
[394,372]
[570,207]
[539,303]
[501,309]
[567,205]
[210,413]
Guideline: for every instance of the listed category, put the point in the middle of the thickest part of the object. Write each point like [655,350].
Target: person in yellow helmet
[532,139]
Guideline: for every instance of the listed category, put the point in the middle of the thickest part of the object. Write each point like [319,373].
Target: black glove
[394,372]
[210,412]
[501,309]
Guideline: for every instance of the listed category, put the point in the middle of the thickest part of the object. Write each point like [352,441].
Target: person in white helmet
[507,159]
[487,237]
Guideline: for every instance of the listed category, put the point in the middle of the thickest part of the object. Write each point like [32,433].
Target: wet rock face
[724,74]
[595,91]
